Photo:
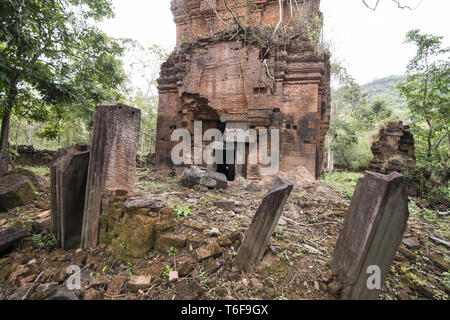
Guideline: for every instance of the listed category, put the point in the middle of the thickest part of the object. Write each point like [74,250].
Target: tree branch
[217,14]
[232,13]
[397,2]
[280,4]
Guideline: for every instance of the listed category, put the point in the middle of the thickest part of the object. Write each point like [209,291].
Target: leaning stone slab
[15,190]
[11,236]
[372,232]
[199,176]
[4,162]
[112,163]
[68,175]
[263,225]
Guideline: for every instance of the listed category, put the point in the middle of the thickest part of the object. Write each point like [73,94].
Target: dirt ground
[294,267]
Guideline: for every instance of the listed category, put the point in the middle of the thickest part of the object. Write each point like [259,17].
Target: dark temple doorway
[228,169]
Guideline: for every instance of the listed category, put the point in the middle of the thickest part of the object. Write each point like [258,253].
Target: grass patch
[425,214]
[182,211]
[42,171]
[342,182]
[155,186]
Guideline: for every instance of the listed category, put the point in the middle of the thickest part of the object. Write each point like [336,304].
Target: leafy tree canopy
[52,57]
[427,91]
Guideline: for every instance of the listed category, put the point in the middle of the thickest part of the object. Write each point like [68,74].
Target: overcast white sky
[370,42]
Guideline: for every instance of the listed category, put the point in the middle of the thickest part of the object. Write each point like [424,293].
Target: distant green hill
[385,89]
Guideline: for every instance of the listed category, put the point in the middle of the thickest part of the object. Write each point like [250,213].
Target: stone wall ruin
[231,70]
[394,150]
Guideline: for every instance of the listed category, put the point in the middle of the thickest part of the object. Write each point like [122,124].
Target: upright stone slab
[263,225]
[372,232]
[4,162]
[68,175]
[112,164]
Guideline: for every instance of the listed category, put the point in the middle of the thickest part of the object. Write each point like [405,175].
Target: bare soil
[294,267]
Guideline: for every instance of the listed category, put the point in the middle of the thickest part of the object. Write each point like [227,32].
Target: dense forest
[385,89]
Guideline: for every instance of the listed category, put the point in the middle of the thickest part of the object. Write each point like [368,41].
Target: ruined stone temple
[394,150]
[229,78]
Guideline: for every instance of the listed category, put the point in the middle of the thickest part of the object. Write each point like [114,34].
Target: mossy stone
[15,190]
[136,237]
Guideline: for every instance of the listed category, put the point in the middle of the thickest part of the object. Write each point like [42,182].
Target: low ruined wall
[28,156]
[394,150]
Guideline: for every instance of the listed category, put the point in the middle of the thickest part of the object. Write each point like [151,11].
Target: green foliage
[279,233]
[356,112]
[427,91]
[42,171]
[424,213]
[123,246]
[154,186]
[12,152]
[373,115]
[342,182]
[37,241]
[168,269]
[385,89]
[54,60]
[446,279]
[142,65]
[351,121]
[234,224]
[26,218]
[440,192]
[285,253]
[172,251]
[182,211]
[129,270]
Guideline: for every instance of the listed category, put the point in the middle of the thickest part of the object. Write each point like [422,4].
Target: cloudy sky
[369,42]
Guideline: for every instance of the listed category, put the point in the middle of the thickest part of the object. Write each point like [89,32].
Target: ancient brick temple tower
[231,70]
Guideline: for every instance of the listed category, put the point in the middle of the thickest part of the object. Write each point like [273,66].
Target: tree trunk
[424,107]
[330,162]
[7,113]
[430,133]
[5,130]
[19,122]
[11,102]
[150,145]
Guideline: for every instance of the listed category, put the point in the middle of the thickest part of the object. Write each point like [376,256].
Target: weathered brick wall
[221,81]
[29,156]
[198,19]
[394,150]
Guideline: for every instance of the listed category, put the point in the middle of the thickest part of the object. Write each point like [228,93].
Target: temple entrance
[235,152]
[225,154]
[228,169]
